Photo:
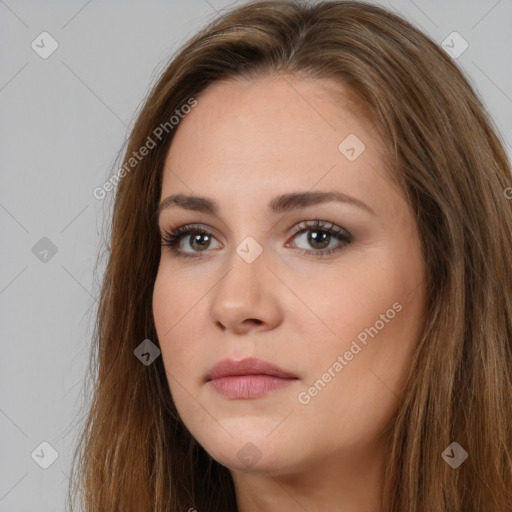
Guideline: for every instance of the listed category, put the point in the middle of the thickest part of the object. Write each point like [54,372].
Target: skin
[244,143]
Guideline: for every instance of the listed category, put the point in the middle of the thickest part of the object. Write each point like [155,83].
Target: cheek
[172,307]
[176,297]
[165,305]
[362,396]
[373,311]
[343,302]
[172,310]
[179,347]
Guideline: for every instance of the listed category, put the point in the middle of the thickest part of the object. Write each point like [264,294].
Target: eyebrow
[280,204]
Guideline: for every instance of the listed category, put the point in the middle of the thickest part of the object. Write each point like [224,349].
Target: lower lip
[248,386]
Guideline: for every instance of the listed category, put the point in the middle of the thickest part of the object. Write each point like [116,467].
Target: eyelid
[301,226]
[306,225]
[172,238]
[193,227]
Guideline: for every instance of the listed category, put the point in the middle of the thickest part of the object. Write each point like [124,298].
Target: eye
[200,240]
[320,236]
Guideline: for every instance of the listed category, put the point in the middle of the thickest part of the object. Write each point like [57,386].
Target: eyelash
[171,239]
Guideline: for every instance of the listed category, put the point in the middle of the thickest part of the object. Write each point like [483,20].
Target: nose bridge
[244,292]
[247,266]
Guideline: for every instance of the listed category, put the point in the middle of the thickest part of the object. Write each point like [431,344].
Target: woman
[307,303]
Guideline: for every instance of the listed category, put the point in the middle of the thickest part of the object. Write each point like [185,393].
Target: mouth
[247,378]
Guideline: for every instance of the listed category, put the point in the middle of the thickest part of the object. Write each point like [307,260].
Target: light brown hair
[135,454]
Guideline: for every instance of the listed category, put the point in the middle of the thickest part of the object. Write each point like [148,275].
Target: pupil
[313,238]
[198,237]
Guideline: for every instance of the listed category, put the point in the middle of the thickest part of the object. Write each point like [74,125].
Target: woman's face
[338,306]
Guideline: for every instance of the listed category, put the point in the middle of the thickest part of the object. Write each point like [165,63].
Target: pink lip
[247,378]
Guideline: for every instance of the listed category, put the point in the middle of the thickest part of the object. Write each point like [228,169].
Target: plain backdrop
[63,120]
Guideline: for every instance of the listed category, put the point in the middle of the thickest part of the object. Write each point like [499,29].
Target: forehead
[275,134]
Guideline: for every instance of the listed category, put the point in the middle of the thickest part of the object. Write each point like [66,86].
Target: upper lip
[247,366]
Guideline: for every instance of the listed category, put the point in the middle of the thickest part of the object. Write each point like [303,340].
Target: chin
[252,450]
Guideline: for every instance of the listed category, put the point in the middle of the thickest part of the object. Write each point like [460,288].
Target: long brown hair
[135,454]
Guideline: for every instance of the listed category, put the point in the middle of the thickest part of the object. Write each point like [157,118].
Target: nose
[247,297]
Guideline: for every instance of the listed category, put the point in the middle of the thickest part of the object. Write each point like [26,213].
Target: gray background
[63,120]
